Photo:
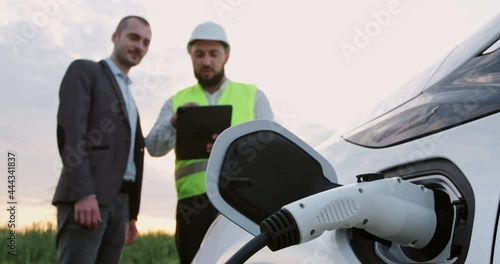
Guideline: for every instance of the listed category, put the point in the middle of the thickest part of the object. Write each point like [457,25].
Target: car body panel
[496,250]
[480,137]
[472,146]
[473,46]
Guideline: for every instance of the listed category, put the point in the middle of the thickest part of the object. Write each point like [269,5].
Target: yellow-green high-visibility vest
[190,174]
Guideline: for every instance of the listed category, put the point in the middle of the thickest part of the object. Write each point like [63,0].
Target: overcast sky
[321,63]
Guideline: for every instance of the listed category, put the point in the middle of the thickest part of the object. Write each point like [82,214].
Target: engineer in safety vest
[209,50]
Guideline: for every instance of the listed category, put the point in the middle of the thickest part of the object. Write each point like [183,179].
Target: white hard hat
[209,31]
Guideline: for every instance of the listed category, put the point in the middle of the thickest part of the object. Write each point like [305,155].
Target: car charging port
[440,245]
[445,245]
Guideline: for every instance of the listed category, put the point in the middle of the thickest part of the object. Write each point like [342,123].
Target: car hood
[473,46]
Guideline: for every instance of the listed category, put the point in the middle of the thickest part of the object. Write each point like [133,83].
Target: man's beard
[122,57]
[211,81]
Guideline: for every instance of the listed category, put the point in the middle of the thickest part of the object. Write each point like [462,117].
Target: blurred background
[322,64]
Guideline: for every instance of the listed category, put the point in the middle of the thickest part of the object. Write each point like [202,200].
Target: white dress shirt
[124,82]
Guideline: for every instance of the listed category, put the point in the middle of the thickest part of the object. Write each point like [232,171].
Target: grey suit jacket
[93,136]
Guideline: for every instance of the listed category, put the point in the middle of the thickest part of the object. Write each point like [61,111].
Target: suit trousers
[78,244]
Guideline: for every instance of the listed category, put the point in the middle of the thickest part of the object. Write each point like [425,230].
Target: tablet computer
[195,127]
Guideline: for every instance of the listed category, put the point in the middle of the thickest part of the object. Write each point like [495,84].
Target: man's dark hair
[123,23]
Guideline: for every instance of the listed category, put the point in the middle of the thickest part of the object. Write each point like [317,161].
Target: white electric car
[416,182]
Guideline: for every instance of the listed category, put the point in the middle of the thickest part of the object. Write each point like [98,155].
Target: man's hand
[173,120]
[131,234]
[211,144]
[87,212]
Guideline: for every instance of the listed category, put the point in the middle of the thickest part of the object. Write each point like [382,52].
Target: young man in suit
[209,50]
[102,150]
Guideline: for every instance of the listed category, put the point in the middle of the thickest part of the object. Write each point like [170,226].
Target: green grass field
[37,245]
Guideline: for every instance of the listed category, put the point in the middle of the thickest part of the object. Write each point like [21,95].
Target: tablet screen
[195,127]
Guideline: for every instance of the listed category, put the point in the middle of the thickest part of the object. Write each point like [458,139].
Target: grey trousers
[77,244]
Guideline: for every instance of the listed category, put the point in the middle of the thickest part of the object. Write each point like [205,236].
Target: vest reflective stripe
[190,186]
[190,179]
[190,169]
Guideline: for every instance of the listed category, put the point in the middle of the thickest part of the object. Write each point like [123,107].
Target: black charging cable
[277,231]
[250,248]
